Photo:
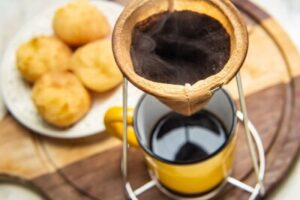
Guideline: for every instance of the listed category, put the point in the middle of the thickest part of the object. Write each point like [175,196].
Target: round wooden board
[90,168]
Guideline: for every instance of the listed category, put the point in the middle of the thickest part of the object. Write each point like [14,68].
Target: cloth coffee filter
[185,99]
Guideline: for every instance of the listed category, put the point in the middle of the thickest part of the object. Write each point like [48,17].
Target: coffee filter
[184,99]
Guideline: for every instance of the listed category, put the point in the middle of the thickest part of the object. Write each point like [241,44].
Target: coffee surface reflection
[182,139]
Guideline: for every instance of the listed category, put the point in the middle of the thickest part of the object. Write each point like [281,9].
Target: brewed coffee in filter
[180,47]
[182,55]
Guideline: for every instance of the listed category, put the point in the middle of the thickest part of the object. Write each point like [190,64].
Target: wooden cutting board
[89,168]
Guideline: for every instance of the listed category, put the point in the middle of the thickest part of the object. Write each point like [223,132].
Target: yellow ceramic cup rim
[231,134]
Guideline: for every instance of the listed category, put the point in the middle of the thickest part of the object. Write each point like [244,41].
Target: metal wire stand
[254,143]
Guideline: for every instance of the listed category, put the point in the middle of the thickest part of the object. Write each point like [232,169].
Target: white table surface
[287,12]
[13,13]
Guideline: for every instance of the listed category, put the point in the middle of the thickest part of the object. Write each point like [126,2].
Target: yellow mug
[189,178]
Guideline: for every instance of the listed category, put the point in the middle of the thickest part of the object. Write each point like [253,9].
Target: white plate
[17,93]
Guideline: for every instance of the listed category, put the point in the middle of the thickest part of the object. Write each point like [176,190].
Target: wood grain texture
[90,174]
[20,151]
[90,168]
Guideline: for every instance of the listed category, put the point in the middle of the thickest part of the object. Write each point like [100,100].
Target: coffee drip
[170,5]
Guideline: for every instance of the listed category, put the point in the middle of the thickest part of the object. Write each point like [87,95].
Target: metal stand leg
[248,135]
[124,166]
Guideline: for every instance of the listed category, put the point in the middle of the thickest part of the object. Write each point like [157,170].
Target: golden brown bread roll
[79,23]
[60,98]
[95,66]
[40,55]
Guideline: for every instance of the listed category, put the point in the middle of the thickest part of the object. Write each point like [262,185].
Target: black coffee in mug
[186,139]
[179,47]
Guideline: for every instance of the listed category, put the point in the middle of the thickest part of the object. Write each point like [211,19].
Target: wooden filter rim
[135,12]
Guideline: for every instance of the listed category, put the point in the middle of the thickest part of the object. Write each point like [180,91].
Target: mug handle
[113,121]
